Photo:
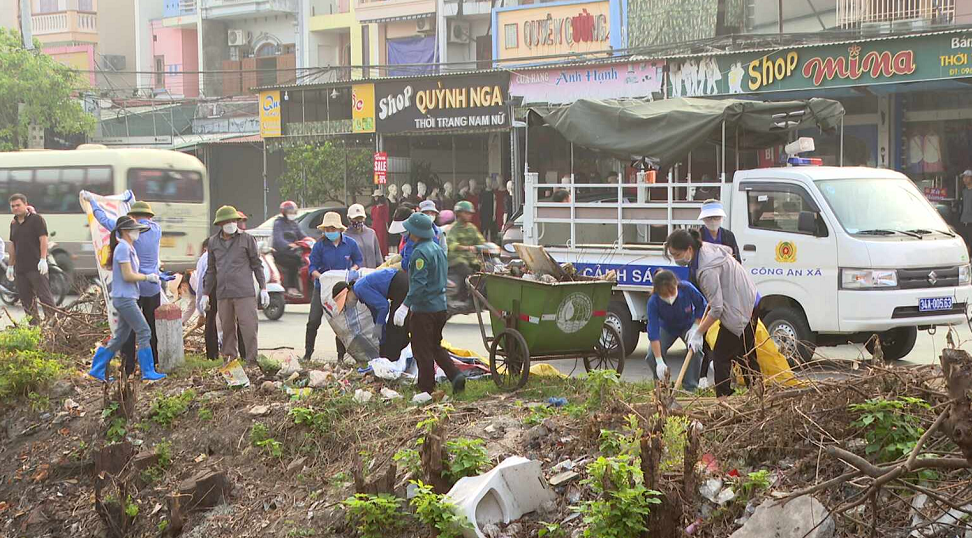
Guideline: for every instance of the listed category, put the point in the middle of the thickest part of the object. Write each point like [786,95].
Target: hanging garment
[379,223]
[916,152]
[932,150]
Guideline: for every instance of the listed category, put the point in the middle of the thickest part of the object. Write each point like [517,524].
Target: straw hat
[332,220]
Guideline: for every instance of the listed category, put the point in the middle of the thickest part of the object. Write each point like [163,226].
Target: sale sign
[381,168]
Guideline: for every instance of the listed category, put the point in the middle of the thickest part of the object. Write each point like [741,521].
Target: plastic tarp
[772,363]
[415,54]
[668,130]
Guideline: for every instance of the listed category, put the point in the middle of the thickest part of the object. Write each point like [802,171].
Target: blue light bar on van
[804,161]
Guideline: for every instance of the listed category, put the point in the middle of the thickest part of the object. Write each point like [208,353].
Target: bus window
[99,181]
[166,185]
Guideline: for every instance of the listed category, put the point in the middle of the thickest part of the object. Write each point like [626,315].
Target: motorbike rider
[464,238]
[286,233]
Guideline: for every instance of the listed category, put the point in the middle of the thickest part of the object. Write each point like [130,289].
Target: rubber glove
[400,315]
[11,274]
[264,298]
[661,369]
[42,267]
[153,278]
[694,338]
[352,275]
[166,276]
[204,303]
[88,196]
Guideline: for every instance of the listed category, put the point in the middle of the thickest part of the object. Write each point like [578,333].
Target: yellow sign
[547,30]
[786,252]
[270,114]
[363,108]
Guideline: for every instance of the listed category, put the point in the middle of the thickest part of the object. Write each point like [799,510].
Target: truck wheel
[896,343]
[788,327]
[619,317]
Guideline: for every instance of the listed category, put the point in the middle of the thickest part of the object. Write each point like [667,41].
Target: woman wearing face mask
[675,310]
[365,237]
[732,301]
[124,298]
[712,216]
[335,251]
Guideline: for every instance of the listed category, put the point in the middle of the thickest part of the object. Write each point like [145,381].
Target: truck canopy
[666,131]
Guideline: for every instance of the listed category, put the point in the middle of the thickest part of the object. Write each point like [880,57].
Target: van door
[789,248]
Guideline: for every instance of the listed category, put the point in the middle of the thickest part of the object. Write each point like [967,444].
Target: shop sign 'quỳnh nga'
[443,104]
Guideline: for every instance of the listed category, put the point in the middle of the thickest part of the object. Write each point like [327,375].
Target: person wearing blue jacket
[333,252]
[147,249]
[376,290]
[674,311]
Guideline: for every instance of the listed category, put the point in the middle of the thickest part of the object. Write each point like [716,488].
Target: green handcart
[535,320]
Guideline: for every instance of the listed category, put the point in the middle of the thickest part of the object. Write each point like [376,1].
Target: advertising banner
[363,108]
[566,85]
[556,28]
[381,168]
[270,114]
[114,206]
[443,103]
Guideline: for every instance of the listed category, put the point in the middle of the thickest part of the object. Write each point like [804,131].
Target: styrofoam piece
[513,488]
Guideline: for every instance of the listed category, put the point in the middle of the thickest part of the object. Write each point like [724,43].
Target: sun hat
[712,208]
[128,223]
[419,225]
[401,214]
[332,220]
[226,213]
[355,211]
[428,205]
[464,206]
[967,173]
[141,208]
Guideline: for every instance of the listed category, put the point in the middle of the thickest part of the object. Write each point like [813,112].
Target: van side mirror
[807,222]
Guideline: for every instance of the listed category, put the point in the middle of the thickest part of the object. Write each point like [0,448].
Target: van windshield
[881,207]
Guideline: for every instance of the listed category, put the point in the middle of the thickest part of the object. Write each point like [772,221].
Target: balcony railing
[64,22]
[894,13]
[179,8]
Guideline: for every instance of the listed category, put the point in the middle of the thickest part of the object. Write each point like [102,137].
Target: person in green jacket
[463,239]
[425,306]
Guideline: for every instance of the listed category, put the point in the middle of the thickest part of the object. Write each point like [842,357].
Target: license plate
[934,304]
[167,242]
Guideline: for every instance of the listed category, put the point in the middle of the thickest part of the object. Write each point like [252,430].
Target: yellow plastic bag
[772,363]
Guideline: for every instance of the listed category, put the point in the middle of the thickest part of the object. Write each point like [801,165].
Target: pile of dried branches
[75,329]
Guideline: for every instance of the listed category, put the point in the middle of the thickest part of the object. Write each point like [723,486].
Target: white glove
[88,196]
[400,315]
[264,298]
[11,274]
[694,339]
[204,303]
[661,369]
[704,383]
[42,267]
[153,278]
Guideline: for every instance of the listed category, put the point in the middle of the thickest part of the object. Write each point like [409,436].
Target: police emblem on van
[785,252]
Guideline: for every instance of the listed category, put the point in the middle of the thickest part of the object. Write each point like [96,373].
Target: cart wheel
[509,360]
[609,351]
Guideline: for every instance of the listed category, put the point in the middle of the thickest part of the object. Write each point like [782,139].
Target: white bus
[174,183]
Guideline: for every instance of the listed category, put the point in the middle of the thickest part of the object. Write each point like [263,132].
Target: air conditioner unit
[458,32]
[425,25]
[236,38]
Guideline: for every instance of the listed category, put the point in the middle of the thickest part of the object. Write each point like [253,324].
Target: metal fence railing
[860,13]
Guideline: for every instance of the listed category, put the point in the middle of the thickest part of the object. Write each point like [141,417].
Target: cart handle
[480,298]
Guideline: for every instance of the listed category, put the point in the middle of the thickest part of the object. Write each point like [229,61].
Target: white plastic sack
[353,325]
[386,369]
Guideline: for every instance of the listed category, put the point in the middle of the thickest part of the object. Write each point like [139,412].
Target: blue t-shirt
[119,287]
[678,317]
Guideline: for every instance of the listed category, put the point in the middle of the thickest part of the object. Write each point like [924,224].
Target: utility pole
[781,16]
[25,30]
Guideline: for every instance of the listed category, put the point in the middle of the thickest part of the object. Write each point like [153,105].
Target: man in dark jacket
[286,233]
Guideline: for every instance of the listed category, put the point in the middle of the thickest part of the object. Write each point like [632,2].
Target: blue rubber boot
[147,363]
[99,364]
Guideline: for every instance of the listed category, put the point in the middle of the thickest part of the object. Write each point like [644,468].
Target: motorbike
[58,279]
[489,256]
[278,296]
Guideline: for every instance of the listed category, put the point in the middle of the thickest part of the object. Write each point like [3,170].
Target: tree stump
[957,368]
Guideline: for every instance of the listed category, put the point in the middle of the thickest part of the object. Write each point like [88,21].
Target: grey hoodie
[727,287]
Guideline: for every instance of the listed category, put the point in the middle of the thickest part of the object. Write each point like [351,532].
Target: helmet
[464,206]
[289,205]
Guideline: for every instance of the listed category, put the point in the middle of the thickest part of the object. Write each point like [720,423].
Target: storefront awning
[412,17]
[668,130]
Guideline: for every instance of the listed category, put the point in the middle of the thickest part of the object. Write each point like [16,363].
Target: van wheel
[788,327]
[896,343]
[619,317]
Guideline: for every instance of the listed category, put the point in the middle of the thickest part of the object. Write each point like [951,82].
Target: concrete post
[168,327]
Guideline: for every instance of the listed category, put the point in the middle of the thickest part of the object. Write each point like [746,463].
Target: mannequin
[487,211]
[434,196]
[407,193]
[473,196]
[379,220]
[392,197]
[448,196]
[502,197]
[509,201]
[420,190]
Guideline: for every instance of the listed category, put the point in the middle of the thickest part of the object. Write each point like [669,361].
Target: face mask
[133,235]
[713,224]
[357,225]
[332,236]
[290,216]
[683,263]
[670,300]
[230,228]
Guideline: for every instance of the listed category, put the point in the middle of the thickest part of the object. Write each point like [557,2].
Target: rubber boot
[146,361]
[99,364]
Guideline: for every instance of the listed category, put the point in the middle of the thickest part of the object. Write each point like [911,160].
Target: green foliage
[622,502]
[891,427]
[627,443]
[196,364]
[315,420]
[165,409]
[316,173]
[374,516]
[601,385]
[753,483]
[260,438]
[23,372]
[268,366]
[43,87]
[409,459]
[117,425]
[163,525]
[20,338]
[204,413]
[431,510]
[131,509]
[539,414]
[551,530]
[155,473]
[38,402]
[466,457]
[674,437]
